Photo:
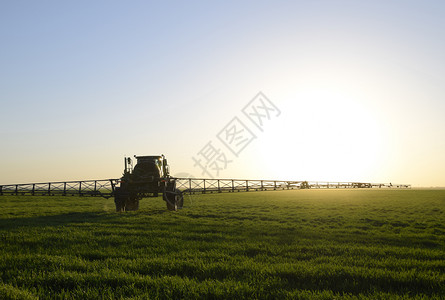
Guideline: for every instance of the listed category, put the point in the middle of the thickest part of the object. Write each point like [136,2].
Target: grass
[308,244]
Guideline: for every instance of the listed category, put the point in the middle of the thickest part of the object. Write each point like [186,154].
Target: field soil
[303,244]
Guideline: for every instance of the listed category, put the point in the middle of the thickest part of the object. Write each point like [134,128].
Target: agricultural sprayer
[150,177]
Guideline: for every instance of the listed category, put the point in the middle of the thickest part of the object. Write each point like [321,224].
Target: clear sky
[355,89]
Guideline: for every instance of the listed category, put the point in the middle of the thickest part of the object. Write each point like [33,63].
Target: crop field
[303,244]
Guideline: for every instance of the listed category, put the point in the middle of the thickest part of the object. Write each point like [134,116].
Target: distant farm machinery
[150,177]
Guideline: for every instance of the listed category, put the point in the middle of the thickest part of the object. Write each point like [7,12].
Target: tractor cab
[147,175]
[147,167]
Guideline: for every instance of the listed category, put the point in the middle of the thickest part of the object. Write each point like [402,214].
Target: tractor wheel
[180,199]
[120,199]
[171,206]
[174,199]
[170,199]
[132,203]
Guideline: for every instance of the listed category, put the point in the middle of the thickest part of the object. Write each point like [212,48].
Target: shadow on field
[71,218]
[54,220]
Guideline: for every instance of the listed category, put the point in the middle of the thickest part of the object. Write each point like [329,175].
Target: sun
[326,136]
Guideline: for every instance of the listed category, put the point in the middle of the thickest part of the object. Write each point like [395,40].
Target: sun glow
[327,136]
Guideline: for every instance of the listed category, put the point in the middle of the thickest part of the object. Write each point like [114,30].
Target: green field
[305,244]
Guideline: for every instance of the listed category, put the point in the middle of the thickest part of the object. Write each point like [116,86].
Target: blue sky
[359,86]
